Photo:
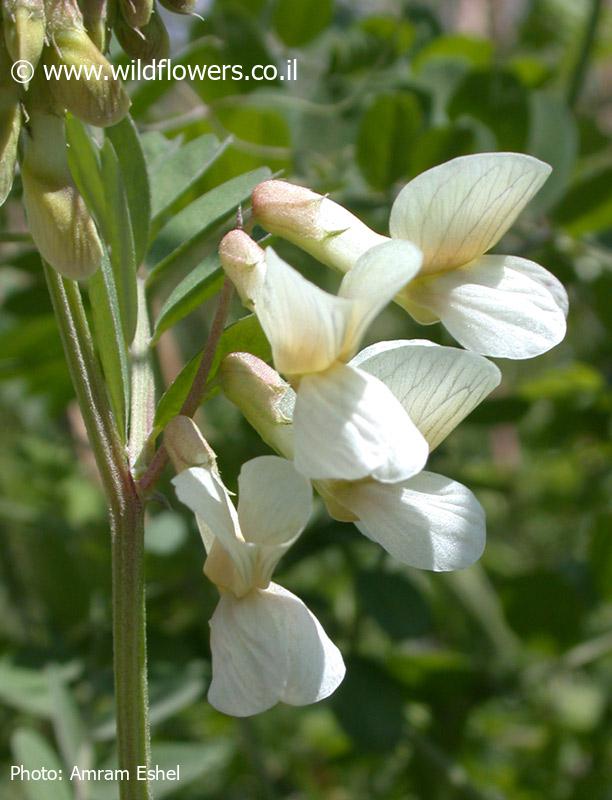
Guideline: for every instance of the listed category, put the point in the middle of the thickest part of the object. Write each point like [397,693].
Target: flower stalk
[127,530]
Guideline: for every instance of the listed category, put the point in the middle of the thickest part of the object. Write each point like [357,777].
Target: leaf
[299,21]
[437,145]
[201,283]
[169,694]
[553,137]
[193,759]
[24,689]
[110,341]
[70,730]
[245,335]
[183,241]
[368,706]
[386,137]
[30,749]
[587,206]
[455,47]
[156,147]
[175,175]
[120,239]
[133,167]
[84,163]
[394,602]
[142,403]
[498,100]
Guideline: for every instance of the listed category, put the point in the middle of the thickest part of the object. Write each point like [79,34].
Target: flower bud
[59,220]
[267,402]
[150,43]
[314,223]
[186,446]
[264,398]
[244,263]
[136,13]
[100,101]
[10,125]
[179,6]
[24,29]
[96,15]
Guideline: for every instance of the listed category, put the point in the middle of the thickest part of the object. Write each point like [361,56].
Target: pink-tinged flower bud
[136,12]
[150,43]
[179,6]
[314,223]
[264,398]
[96,96]
[244,263]
[59,221]
[186,446]
[24,30]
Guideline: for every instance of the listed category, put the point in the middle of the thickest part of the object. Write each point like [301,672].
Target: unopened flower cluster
[32,110]
[358,425]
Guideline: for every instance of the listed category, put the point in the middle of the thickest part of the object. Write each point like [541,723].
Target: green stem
[88,383]
[198,389]
[129,636]
[581,69]
[127,529]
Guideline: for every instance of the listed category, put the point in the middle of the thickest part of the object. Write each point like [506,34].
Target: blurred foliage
[489,683]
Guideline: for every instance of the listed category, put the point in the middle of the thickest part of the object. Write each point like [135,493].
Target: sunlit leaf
[174,176]
[200,284]
[121,239]
[33,751]
[130,156]
[246,336]
[183,242]
[110,341]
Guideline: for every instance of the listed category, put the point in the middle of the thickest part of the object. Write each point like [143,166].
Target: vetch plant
[127,254]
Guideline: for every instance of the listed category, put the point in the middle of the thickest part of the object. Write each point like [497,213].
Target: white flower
[502,306]
[497,305]
[427,521]
[347,424]
[266,645]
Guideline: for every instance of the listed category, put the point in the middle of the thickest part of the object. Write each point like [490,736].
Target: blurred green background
[489,683]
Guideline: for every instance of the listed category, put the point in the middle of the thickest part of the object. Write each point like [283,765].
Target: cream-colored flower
[428,521]
[497,305]
[266,645]
[347,424]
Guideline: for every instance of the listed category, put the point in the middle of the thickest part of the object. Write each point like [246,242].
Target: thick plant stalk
[129,635]
[127,528]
